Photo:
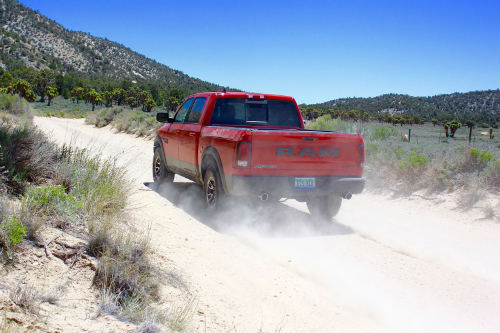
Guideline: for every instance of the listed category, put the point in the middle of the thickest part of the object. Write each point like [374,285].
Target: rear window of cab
[256,112]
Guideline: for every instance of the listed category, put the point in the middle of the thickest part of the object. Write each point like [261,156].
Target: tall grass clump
[14,105]
[326,123]
[49,205]
[26,155]
[12,231]
[137,122]
[104,117]
[382,133]
[129,121]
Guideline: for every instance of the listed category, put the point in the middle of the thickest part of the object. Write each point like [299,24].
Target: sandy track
[382,265]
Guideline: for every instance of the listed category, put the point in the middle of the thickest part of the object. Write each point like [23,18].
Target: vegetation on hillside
[478,107]
[29,39]
[42,186]
[47,84]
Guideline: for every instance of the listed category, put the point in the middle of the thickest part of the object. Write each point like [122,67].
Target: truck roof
[241,94]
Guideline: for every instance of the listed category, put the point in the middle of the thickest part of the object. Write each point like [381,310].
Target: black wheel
[212,187]
[324,207]
[160,172]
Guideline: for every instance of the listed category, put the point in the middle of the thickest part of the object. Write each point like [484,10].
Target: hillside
[484,105]
[32,40]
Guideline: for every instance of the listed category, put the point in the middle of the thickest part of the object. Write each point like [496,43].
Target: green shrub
[25,154]
[48,204]
[399,153]
[101,118]
[326,123]
[51,197]
[477,160]
[12,232]
[100,185]
[382,133]
[413,161]
[411,169]
[15,105]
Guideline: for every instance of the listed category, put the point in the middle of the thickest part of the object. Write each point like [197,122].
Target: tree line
[311,113]
[481,107]
[48,83]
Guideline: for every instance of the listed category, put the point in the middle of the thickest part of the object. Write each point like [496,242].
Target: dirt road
[401,265]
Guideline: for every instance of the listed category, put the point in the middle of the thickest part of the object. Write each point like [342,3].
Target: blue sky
[312,50]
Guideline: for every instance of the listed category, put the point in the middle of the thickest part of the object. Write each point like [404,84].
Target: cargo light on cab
[243,154]
[255,96]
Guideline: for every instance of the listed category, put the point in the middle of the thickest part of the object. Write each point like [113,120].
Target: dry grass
[26,155]
[181,315]
[26,296]
[125,120]
[71,189]
[490,212]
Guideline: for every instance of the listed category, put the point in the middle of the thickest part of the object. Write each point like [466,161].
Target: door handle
[192,133]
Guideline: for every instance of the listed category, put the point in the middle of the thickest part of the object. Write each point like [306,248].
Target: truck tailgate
[314,153]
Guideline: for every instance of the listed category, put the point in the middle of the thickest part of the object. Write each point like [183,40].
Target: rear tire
[212,188]
[160,172]
[324,207]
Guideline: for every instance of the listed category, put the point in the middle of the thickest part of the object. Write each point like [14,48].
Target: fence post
[409,135]
[470,133]
[491,133]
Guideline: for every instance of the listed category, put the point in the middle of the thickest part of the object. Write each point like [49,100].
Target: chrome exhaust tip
[347,195]
[264,196]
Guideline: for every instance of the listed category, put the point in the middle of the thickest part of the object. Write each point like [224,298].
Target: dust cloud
[384,282]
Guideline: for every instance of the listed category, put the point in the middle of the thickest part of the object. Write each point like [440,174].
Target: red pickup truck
[236,143]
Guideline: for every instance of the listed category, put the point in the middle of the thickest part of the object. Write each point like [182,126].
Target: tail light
[243,155]
[361,156]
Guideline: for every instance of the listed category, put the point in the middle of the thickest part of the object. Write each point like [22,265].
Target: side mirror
[163,117]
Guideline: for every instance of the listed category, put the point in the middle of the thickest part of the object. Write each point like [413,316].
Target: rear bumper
[284,186]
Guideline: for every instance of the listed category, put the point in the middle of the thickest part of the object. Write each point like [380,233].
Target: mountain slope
[485,103]
[30,39]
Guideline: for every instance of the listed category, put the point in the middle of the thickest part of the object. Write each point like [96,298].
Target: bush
[100,186]
[49,204]
[136,122]
[104,117]
[26,155]
[11,233]
[411,168]
[15,105]
[414,161]
[326,123]
[125,270]
[477,160]
[382,133]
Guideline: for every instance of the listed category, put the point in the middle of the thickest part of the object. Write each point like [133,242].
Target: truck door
[189,137]
[171,146]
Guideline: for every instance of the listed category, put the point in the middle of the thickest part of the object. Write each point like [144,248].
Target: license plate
[305,182]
